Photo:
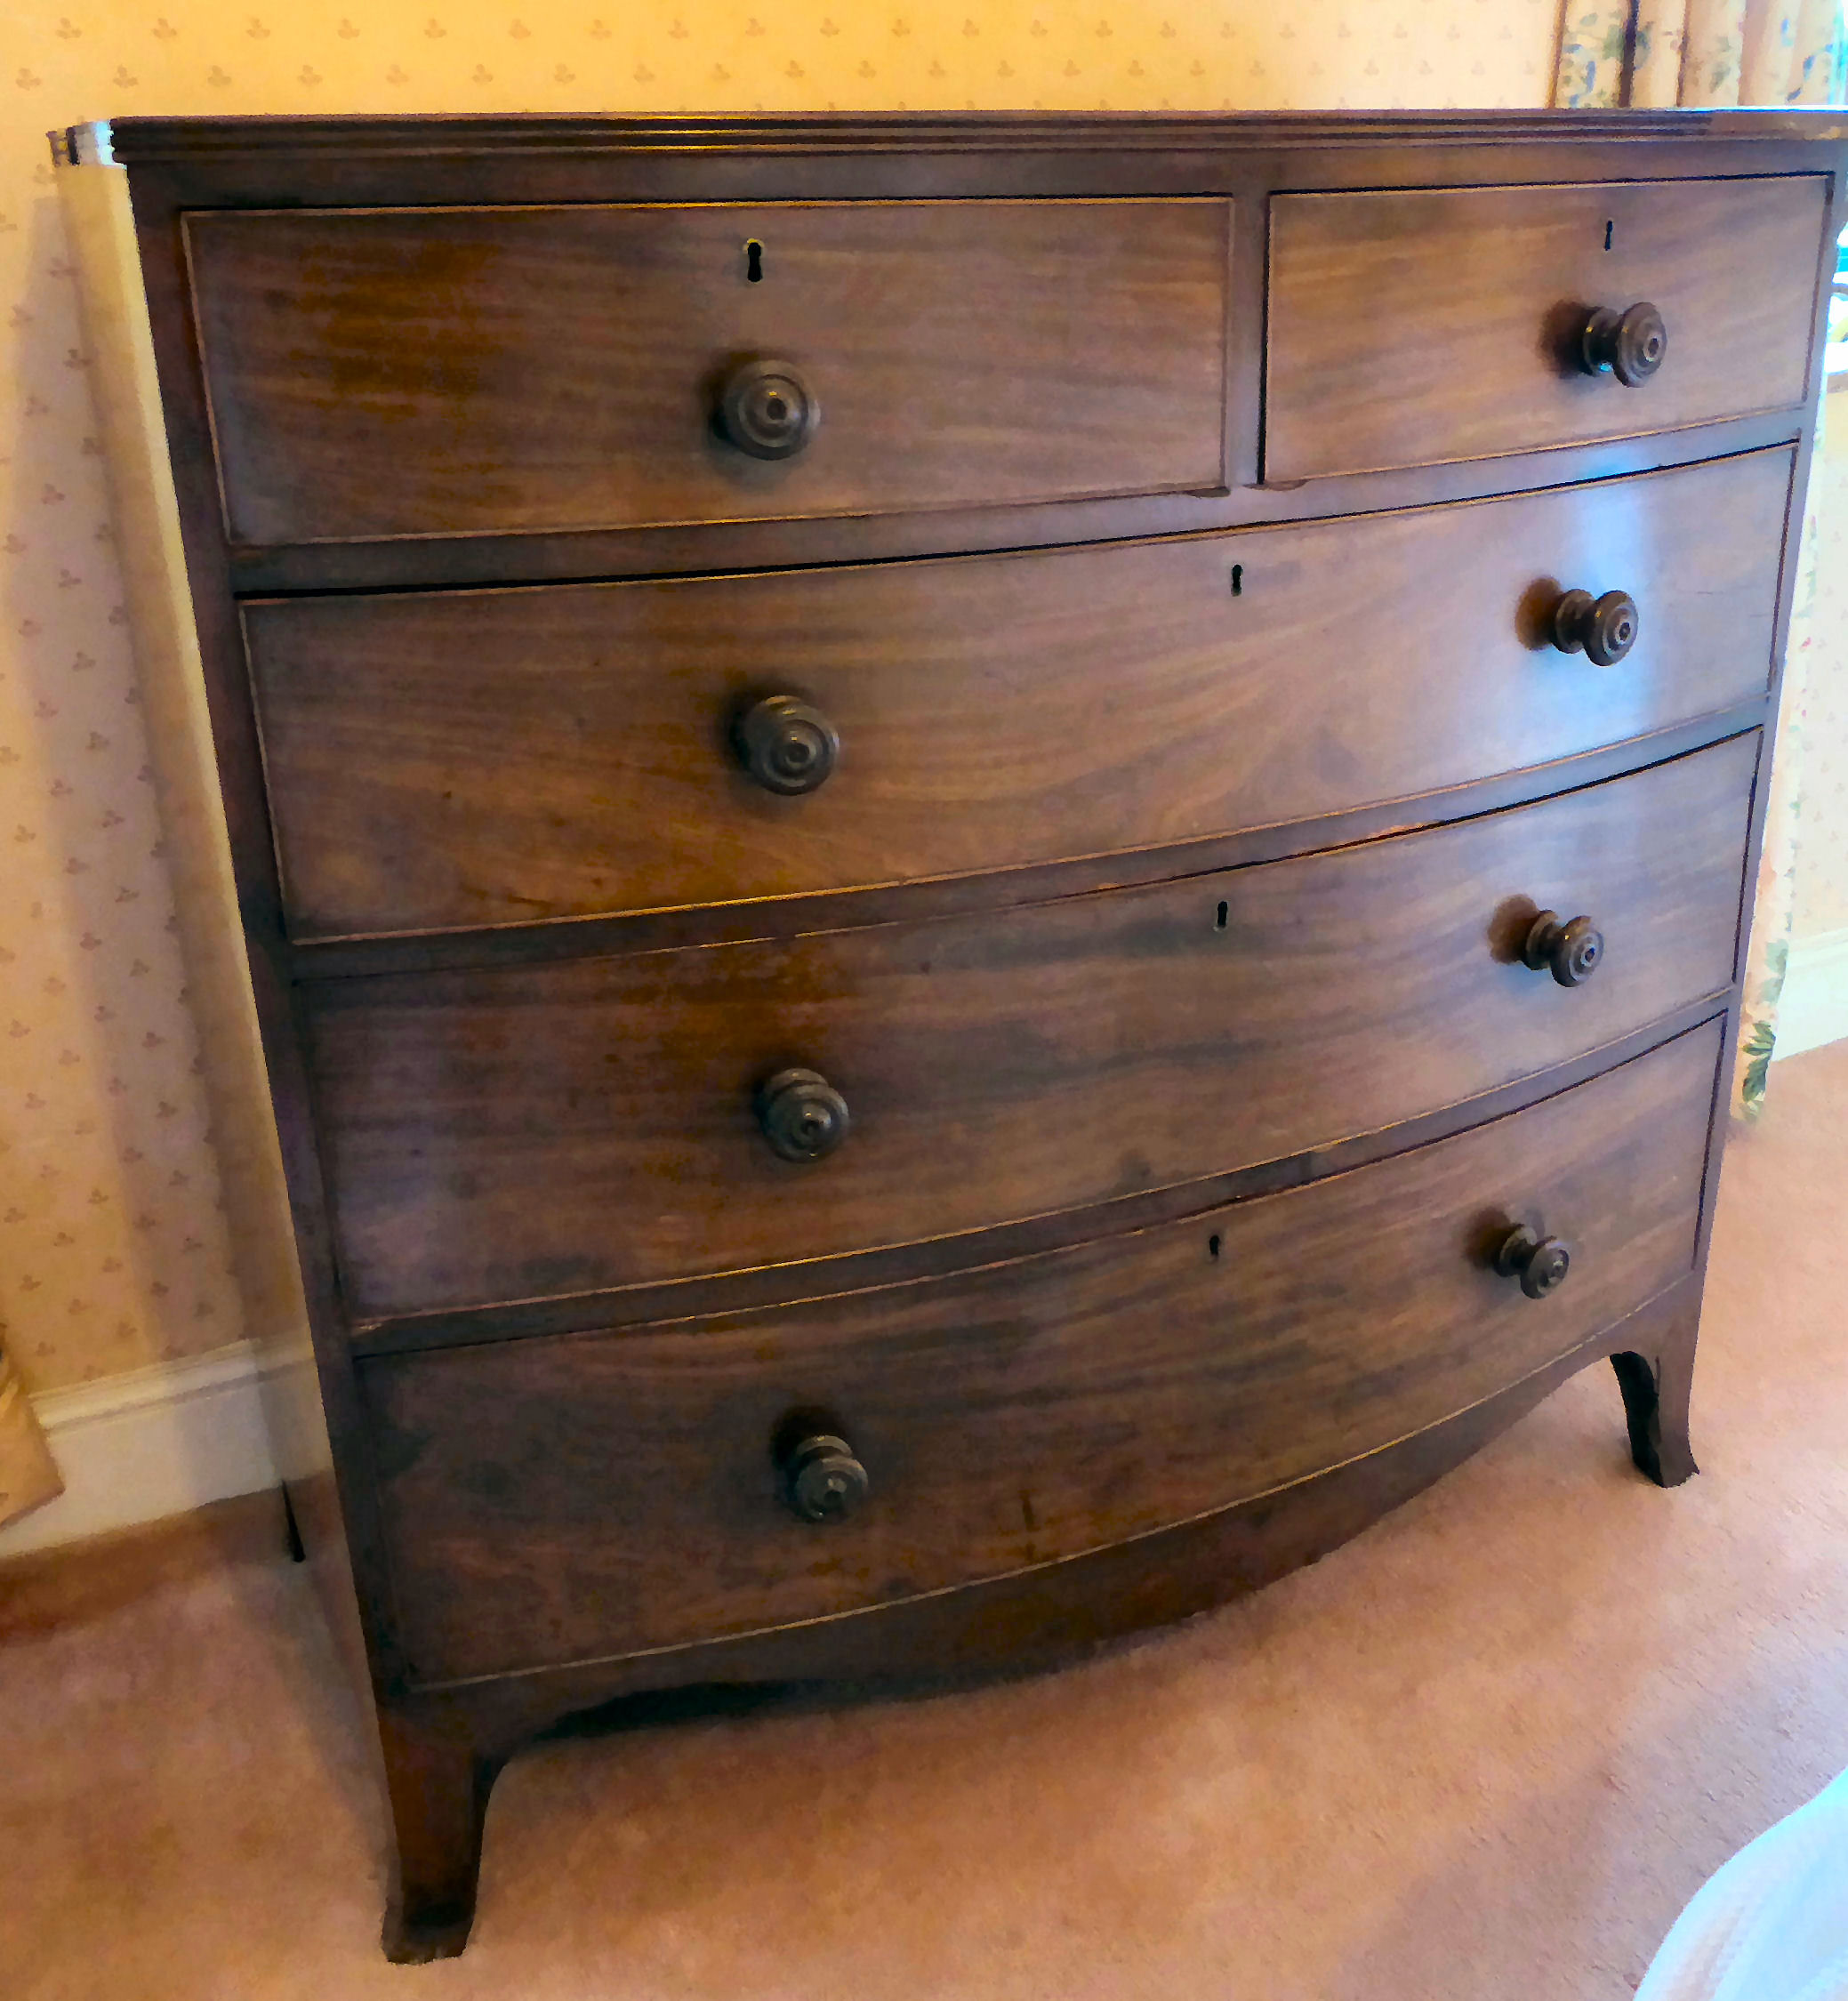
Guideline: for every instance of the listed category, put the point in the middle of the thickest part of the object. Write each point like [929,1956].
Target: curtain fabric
[1699,51]
[1713,52]
[26,1473]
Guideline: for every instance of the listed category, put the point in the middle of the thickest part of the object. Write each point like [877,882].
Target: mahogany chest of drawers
[993,868]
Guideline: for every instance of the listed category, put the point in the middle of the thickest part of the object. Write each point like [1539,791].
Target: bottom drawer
[563,1498]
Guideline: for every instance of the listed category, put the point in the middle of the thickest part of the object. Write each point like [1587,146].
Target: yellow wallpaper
[113,1246]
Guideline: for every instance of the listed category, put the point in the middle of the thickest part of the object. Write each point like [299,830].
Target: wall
[1821,901]
[113,1248]
[1814,1006]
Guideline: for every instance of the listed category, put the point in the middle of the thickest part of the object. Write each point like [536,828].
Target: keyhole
[1238,579]
[1212,1245]
[754,261]
[1607,235]
[1219,922]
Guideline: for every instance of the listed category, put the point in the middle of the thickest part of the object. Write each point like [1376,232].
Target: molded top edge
[106,143]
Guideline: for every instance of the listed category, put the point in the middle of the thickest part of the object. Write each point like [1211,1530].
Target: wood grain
[405,372]
[512,1133]
[394,426]
[545,1500]
[1410,327]
[1047,1616]
[483,758]
[708,549]
[1399,143]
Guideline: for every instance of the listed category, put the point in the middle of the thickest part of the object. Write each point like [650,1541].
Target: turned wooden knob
[785,743]
[767,409]
[802,1115]
[1539,1262]
[822,1481]
[1571,952]
[1602,629]
[1630,344]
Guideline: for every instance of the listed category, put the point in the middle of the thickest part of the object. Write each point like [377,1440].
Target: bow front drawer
[549,1499]
[514,1132]
[1458,322]
[462,371]
[461,759]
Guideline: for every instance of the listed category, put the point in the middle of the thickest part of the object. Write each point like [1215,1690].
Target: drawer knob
[786,744]
[1571,952]
[1539,1262]
[1602,629]
[767,409]
[1630,344]
[802,1115]
[822,1481]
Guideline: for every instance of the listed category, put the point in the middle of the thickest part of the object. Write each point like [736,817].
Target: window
[1834,360]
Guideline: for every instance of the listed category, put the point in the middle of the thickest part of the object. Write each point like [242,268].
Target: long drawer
[556,1499]
[403,372]
[483,758]
[1472,305]
[507,1133]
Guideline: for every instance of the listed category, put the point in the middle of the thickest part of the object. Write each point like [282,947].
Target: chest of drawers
[989,870]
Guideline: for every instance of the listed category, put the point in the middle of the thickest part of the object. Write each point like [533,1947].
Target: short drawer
[1411,328]
[557,1498]
[466,758]
[507,1133]
[405,372]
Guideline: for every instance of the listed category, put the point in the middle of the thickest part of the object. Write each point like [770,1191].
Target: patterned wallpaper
[113,1246]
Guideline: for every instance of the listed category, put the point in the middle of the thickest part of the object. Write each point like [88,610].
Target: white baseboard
[1813,1008]
[139,1447]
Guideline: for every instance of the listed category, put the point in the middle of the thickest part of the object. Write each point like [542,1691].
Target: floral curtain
[1699,51]
[1728,51]
[27,1474]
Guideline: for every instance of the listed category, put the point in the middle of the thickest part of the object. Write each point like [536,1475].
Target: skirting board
[1813,1008]
[139,1447]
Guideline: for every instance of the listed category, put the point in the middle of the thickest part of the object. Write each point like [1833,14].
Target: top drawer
[1416,328]
[404,372]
